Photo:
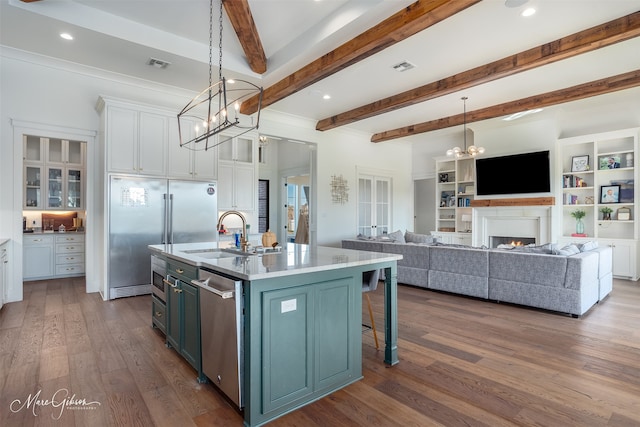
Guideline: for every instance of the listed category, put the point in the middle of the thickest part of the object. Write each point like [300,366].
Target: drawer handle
[158,314]
[179,270]
[69,258]
[179,291]
[70,247]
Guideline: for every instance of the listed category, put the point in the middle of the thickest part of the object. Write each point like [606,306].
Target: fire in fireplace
[496,241]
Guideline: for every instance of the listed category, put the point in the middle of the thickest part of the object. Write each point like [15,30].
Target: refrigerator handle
[170,220]
[164,220]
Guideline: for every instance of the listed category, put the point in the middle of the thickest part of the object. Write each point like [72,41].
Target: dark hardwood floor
[463,362]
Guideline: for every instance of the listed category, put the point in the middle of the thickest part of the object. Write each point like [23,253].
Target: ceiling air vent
[403,66]
[158,63]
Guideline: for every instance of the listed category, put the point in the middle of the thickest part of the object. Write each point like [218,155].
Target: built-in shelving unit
[455,190]
[599,171]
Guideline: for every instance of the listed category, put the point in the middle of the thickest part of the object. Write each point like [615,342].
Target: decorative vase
[579,226]
[606,216]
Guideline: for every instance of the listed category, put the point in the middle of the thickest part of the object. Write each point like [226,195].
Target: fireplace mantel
[513,201]
[524,221]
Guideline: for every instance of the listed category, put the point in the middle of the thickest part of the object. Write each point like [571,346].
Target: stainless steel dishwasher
[222,324]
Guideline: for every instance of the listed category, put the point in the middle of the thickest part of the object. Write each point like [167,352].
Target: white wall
[42,90]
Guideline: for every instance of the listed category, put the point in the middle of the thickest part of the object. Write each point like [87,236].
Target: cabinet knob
[178,291]
[158,314]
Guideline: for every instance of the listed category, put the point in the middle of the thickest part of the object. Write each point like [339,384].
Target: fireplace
[496,241]
[530,224]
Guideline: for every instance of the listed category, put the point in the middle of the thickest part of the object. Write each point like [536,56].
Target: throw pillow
[397,237]
[411,237]
[569,250]
[588,246]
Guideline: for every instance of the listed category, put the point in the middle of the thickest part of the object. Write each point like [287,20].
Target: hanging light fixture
[472,150]
[213,107]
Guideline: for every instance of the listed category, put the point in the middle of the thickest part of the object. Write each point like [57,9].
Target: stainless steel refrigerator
[150,211]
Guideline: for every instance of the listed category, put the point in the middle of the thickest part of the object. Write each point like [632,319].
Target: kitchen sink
[213,253]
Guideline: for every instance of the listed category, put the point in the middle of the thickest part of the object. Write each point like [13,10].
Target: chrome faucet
[243,239]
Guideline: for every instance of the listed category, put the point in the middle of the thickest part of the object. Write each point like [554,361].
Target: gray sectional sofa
[571,282]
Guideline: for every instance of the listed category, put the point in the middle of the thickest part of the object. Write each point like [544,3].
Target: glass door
[32,191]
[55,188]
[73,198]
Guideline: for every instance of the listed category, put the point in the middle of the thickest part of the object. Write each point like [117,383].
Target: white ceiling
[121,36]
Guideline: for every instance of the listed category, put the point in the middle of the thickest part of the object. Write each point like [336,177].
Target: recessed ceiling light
[326,96]
[528,12]
[66,36]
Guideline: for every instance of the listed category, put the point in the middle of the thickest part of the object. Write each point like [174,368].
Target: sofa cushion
[537,269]
[415,256]
[473,262]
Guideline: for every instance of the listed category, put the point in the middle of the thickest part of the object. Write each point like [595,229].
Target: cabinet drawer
[70,238]
[65,248]
[71,258]
[69,269]
[37,240]
[178,269]
[158,315]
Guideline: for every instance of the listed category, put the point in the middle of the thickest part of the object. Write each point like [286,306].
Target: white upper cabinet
[136,141]
[186,163]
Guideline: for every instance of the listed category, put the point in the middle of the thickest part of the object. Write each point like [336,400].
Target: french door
[374,205]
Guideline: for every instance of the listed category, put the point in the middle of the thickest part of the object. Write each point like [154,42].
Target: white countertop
[293,259]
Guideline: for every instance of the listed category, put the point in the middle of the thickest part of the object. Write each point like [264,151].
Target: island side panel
[391,314]
[303,340]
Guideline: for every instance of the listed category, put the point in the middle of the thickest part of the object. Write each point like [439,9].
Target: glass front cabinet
[54,173]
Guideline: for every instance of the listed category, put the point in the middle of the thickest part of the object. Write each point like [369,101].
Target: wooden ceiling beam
[241,18]
[598,87]
[405,23]
[593,38]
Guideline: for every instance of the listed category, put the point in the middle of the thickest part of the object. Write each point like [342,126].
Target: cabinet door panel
[38,261]
[287,346]
[333,327]
[153,144]
[173,318]
[225,186]
[180,161]
[244,187]
[122,126]
[191,325]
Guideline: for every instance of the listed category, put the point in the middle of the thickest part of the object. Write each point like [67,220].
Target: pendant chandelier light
[212,108]
[472,151]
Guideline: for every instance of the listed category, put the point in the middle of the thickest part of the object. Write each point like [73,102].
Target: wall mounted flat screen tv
[515,174]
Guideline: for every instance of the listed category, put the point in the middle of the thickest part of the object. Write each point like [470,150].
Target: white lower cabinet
[38,256]
[49,256]
[624,257]
[69,255]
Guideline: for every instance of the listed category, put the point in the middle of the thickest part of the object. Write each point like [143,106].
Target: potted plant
[578,214]
[606,213]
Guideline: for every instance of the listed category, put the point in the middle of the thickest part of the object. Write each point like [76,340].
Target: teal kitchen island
[300,319]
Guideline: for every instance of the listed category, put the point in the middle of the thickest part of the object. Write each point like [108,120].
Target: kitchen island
[301,334]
